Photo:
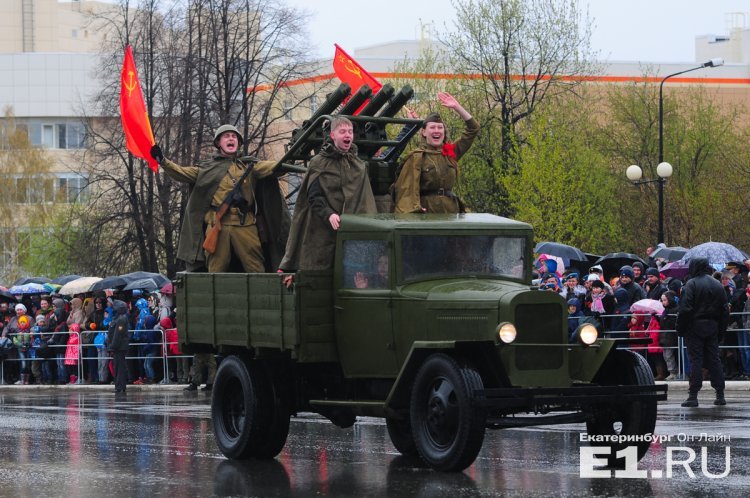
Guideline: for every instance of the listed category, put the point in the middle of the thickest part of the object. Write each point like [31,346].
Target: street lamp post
[663,169]
[712,63]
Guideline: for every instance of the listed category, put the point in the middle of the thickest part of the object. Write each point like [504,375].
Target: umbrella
[64,279]
[7,296]
[80,285]
[109,283]
[138,275]
[30,288]
[168,288]
[144,284]
[670,253]
[51,288]
[31,280]
[675,269]
[566,252]
[612,262]
[647,306]
[717,253]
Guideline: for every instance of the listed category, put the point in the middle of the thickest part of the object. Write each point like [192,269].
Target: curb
[729,385]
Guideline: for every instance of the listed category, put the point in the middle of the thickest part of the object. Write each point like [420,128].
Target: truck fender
[398,398]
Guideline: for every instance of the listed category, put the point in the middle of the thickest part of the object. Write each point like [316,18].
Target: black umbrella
[31,280]
[64,279]
[5,295]
[109,283]
[612,262]
[144,284]
[139,275]
[566,252]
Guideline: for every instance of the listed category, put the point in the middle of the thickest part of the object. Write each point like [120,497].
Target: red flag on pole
[138,135]
[350,72]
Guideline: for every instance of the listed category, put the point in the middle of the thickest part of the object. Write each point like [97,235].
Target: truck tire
[628,418]
[247,419]
[448,430]
[401,436]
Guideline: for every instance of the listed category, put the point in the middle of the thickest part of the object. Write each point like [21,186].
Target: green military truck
[428,321]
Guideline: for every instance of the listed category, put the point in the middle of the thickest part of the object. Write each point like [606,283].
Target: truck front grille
[539,324]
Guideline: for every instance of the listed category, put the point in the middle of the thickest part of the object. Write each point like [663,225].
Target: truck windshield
[449,255]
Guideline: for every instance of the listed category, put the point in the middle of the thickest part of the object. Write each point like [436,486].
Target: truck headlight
[587,334]
[506,331]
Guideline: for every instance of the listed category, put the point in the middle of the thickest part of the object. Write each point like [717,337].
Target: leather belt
[440,191]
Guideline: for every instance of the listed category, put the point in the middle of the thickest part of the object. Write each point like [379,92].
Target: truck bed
[257,313]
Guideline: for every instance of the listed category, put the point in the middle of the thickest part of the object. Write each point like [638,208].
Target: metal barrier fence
[165,356]
[81,357]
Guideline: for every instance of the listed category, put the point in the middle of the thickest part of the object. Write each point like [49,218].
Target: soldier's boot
[191,387]
[720,398]
[691,401]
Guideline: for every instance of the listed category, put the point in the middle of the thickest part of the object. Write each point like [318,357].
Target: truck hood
[463,289]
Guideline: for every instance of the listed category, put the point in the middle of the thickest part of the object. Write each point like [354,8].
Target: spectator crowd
[48,339]
[608,304]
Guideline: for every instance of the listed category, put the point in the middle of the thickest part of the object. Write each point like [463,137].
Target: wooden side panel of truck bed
[255,310]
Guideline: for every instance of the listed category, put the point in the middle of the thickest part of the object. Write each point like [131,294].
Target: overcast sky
[625,30]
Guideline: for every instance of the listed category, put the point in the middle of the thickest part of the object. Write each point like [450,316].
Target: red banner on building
[138,135]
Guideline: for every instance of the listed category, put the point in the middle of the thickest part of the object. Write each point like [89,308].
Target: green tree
[524,52]
[563,186]
[701,138]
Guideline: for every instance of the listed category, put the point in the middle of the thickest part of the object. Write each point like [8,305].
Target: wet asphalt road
[159,443]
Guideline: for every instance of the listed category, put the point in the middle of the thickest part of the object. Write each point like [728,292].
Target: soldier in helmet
[211,181]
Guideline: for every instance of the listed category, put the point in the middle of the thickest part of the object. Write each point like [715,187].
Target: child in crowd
[72,352]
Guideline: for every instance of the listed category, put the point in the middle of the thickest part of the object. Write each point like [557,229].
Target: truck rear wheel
[628,418]
[249,419]
[401,435]
[448,430]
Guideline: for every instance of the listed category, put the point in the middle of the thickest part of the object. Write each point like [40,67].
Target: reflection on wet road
[59,443]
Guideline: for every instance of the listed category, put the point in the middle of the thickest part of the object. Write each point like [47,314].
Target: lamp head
[634,173]
[664,170]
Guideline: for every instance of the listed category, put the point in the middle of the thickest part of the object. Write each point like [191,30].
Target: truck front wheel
[448,430]
[627,418]
[248,419]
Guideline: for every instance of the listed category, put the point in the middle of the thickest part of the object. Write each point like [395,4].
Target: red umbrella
[167,288]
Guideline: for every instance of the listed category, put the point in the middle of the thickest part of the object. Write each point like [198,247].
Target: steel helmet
[223,129]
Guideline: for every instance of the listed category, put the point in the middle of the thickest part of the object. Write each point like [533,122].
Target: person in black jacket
[118,341]
[703,316]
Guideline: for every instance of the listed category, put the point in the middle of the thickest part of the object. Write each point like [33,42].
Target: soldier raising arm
[211,181]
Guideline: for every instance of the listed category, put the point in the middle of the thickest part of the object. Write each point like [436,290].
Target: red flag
[138,135]
[350,72]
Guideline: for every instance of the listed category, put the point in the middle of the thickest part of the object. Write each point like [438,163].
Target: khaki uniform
[212,181]
[201,361]
[428,177]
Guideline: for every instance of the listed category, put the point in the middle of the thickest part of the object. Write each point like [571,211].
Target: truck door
[364,314]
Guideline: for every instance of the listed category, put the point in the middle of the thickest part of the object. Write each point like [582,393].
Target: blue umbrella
[717,253]
[30,288]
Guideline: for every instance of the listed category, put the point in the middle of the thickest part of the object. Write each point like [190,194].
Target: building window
[67,135]
[62,188]
[288,106]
